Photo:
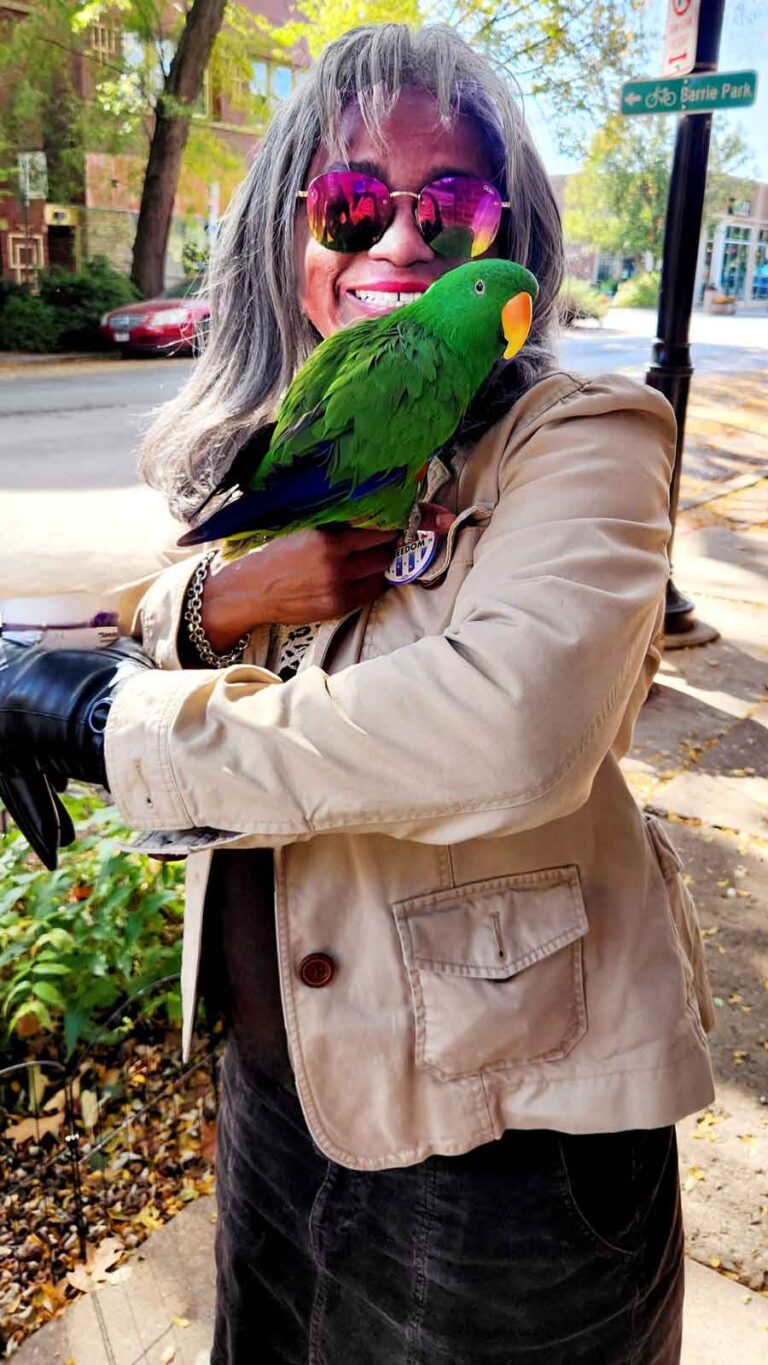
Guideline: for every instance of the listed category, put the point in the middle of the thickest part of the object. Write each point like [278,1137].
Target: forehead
[411,142]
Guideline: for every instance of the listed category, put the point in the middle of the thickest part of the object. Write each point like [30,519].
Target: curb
[14,360]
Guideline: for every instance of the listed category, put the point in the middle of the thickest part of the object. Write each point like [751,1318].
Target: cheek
[317,272]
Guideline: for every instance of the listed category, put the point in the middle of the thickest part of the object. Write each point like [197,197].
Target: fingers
[370,562]
[39,814]
[435,518]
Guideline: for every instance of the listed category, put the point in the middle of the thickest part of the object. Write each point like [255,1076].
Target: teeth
[378,296]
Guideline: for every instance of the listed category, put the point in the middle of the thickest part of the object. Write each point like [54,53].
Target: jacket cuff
[137,747]
[160,613]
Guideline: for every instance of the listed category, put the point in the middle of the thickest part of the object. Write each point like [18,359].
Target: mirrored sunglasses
[457,215]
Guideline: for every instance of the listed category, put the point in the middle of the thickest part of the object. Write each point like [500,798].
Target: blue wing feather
[292,493]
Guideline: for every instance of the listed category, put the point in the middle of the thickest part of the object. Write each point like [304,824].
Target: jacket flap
[476,515]
[493,928]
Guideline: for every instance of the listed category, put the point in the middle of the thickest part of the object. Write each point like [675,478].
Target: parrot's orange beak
[516,323]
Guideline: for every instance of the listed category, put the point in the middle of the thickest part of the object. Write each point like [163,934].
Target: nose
[402,243]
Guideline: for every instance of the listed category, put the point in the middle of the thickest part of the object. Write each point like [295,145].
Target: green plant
[79,300]
[27,323]
[578,300]
[76,942]
[642,291]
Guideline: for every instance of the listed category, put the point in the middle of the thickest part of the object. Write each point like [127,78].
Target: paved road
[78,425]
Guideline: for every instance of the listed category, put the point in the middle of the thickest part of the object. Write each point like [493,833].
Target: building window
[260,79]
[104,43]
[280,82]
[760,276]
[735,257]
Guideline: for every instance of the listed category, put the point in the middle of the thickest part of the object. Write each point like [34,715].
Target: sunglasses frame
[403,194]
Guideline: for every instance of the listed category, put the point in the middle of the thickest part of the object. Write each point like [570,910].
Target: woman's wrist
[230,608]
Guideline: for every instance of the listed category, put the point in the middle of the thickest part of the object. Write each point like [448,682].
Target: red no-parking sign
[680,36]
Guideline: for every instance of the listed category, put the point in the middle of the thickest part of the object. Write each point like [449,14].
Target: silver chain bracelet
[194,621]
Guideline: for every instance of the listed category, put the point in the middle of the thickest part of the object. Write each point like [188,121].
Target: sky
[743,47]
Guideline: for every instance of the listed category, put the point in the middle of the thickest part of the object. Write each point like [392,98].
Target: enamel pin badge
[414,554]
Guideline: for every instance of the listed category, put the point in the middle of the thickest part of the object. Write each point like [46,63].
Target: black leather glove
[54,706]
[42,818]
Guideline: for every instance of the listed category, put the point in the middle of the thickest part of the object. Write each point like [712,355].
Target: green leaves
[75,943]
[618,201]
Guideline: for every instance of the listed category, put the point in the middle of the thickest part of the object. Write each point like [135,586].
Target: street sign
[690,94]
[680,37]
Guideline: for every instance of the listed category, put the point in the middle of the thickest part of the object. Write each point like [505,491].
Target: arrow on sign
[631,99]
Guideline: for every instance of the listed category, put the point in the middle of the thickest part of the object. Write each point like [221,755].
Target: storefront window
[735,255]
[707,271]
[760,277]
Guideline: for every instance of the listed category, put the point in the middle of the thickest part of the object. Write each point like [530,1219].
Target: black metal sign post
[670,371]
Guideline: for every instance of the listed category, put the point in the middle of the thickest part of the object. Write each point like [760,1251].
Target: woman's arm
[497,725]
[314,575]
[308,576]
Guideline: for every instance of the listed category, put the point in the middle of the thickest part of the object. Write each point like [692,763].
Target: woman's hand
[313,575]
[54,706]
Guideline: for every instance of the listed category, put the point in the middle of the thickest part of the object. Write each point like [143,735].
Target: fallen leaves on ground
[695,1174]
[139,1126]
[98,1262]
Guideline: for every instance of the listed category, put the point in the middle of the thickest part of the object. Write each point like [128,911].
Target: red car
[172,324]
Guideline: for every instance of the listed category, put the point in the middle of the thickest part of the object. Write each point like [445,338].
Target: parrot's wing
[372,393]
[389,395]
[294,493]
[243,466]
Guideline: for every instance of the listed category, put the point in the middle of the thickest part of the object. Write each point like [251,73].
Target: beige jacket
[511,941]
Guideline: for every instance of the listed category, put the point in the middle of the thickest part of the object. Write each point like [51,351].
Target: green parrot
[360,421]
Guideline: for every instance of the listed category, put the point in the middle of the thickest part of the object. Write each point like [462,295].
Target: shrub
[578,300]
[27,323]
[642,291]
[80,300]
[77,942]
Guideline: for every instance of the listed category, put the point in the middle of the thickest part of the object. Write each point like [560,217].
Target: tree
[618,201]
[45,113]
[138,97]
[567,52]
[173,114]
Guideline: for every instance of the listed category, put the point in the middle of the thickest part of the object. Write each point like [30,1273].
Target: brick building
[99,217]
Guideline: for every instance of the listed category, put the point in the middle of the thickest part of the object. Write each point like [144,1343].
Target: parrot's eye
[480,286]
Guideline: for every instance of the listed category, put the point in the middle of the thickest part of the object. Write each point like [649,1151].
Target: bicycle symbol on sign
[661,97]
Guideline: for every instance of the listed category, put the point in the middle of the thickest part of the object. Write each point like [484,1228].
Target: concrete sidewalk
[700,761]
[163,1301]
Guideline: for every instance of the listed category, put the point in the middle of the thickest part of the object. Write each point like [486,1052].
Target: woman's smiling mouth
[384,298]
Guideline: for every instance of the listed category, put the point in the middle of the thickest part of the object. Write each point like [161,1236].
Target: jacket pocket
[685,919]
[496,971]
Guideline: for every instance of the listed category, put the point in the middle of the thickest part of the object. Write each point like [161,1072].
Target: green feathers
[371,405]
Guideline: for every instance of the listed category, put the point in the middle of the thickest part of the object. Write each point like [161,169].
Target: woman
[446,1134]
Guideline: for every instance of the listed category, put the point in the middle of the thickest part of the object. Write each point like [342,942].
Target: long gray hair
[259,336]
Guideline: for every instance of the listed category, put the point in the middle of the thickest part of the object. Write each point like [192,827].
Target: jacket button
[316,969]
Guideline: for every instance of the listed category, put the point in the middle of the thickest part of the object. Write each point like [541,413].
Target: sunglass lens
[347,211]
[459,216]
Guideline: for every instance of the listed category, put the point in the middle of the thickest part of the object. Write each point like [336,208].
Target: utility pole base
[681,629]
[698,634]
